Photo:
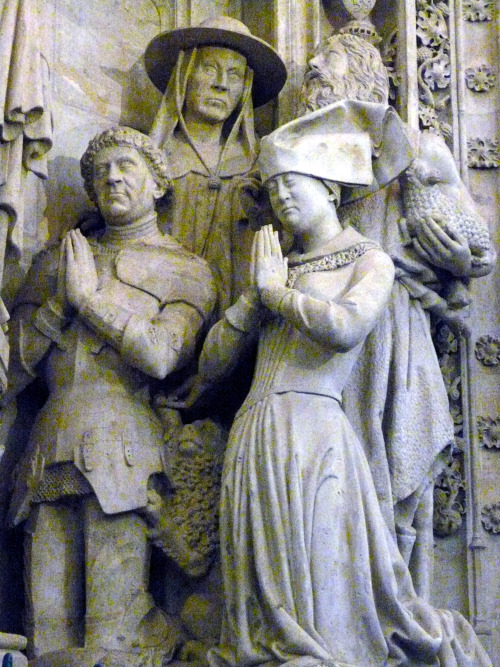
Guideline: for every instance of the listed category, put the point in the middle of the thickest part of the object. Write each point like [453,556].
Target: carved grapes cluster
[185,525]
[480,79]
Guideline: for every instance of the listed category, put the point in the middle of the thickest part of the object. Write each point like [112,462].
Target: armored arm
[156,346]
[37,323]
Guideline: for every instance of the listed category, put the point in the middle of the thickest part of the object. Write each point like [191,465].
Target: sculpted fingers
[260,245]
[275,239]
[435,236]
[268,248]
[421,250]
[77,247]
[253,260]
[68,248]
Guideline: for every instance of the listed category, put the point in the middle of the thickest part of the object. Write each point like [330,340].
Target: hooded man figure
[216,73]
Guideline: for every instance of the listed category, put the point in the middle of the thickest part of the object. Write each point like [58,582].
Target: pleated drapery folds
[25,117]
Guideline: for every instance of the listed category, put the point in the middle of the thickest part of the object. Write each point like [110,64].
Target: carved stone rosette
[490,518]
[478,10]
[489,432]
[480,79]
[483,153]
[488,350]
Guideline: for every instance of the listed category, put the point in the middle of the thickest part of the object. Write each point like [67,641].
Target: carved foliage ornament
[438,71]
[488,350]
[389,57]
[434,67]
[431,26]
[478,10]
[448,510]
[480,79]
[489,432]
[490,517]
[449,505]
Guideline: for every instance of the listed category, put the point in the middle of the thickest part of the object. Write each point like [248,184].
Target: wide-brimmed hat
[359,144]
[269,71]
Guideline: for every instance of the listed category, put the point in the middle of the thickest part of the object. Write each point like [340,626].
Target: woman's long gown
[312,575]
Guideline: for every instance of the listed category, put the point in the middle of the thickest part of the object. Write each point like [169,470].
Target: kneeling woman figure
[312,576]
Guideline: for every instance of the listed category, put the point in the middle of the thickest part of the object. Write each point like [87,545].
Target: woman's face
[299,201]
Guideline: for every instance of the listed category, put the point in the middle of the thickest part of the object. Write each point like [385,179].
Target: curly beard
[321,89]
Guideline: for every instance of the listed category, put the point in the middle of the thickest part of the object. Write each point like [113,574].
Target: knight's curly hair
[123,136]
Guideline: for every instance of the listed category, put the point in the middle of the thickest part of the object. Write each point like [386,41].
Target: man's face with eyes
[215,85]
[124,185]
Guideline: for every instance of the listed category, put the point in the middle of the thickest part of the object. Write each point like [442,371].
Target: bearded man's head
[345,67]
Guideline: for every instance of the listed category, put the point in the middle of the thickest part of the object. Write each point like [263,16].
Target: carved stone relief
[489,432]
[488,350]
[481,79]
[478,10]
[483,153]
[449,500]
[434,67]
[490,518]
[449,496]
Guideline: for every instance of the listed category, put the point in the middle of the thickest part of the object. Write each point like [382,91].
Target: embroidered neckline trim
[329,262]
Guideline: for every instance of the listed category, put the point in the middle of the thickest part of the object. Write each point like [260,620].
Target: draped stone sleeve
[228,340]
[343,322]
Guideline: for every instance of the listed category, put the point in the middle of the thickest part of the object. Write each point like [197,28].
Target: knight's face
[124,185]
[215,85]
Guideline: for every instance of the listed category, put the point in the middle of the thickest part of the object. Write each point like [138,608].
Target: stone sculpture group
[321,494]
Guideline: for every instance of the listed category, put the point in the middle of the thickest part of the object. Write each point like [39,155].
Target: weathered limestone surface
[97,78]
